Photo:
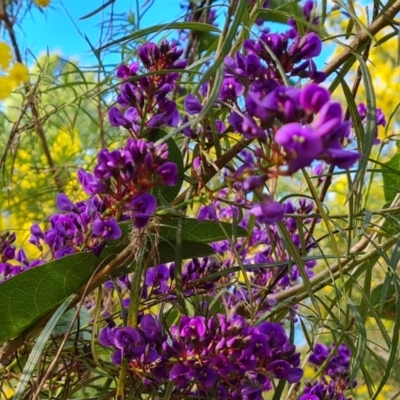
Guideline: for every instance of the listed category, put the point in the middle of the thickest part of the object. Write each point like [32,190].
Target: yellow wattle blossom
[13,75]
[42,3]
[18,74]
[5,55]
[5,87]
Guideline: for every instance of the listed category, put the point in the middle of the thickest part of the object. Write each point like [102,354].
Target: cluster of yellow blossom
[13,73]
[42,3]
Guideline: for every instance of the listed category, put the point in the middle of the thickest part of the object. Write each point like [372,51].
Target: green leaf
[190,249]
[391,177]
[98,9]
[206,231]
[206,41]
[167,192]
[32,294]
[386,307]
[368,140]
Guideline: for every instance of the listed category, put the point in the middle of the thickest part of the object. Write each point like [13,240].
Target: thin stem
[31,98]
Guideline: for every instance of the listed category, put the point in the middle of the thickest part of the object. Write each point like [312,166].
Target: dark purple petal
[169,173]
[192,104]
[116,118]
[208,212]
[208,377]
[107,229]
[149,54]
[177,370]
[64,203]
[126,337]
[37,231]
[301,140]
[294,375]
[254,182]
[106,337]
[309,396]
[268,212]
[116,358]
[279,368]
[193,328]
[90,184]
[313,97]
[341,158]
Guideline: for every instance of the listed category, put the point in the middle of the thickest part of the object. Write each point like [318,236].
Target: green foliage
[391,177]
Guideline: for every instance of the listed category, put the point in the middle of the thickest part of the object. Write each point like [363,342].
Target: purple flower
[329,124]
[64,203]
[149,54]
[64,251]
[342,158]
[313,97]
[8,253]
[319,354]
[116,118]
[254,182]
[309,396]
[177,370]
[311,46]
[207,377]
[168,171]
[268,212]
[37,231]
[126,338]
[294,375]
[106,337]
[192,104]
[142,206]
[193,328]
[107,229]
[208,212]
[251,393]
[231,89]
[90,184]
[251,130]
[380,118]
[301,143]
[150,329]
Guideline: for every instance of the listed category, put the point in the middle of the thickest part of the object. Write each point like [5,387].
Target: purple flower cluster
[11,261]
[143,100]
[296,125]
[159,281]
[201,356]
[82,226]
[123,178]
[313,126]
[118,189]
[263,247]
[335,380]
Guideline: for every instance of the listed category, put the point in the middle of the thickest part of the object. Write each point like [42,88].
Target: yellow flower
[19,73]
[5,87]
[5,55]
[42,3]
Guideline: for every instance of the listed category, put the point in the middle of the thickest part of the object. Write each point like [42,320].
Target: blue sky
[59,28]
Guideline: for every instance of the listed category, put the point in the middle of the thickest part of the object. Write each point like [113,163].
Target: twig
[210,170]
[383,21]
